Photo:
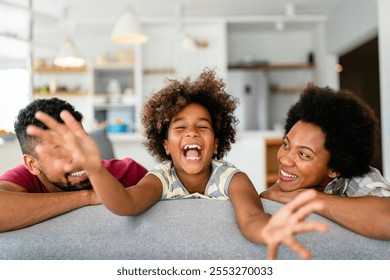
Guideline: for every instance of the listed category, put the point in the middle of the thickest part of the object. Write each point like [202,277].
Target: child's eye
[180,127]
[285,145]
[203,127]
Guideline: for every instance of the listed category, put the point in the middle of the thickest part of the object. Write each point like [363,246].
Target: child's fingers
[301,199]
[49,121]
[311,226]
[298,248]
[304,211]
[272,251]
[72,123]
[39,132]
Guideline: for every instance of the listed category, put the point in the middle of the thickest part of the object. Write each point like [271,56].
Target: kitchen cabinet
[116,100]
[69,84]
[301,69]
[60,81]
[272,146]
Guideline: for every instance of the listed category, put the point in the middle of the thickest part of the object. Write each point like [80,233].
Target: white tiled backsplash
[163,51]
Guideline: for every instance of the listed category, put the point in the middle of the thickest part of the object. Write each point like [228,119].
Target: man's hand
[290,220]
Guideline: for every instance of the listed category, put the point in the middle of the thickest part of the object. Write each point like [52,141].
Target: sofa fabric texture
[175,229]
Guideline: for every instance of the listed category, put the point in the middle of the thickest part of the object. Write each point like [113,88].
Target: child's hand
[289,220]
[71,138]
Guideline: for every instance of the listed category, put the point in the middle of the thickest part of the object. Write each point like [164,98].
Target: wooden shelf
[159,71]
[55,69]
[272,146]
[60,93]
[281,66]
[105,106]
[286,89]
[271,178]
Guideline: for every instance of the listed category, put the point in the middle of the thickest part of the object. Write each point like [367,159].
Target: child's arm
[354,213]
[260,227]
[81,150]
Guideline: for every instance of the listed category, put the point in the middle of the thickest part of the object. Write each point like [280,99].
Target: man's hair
[26,117]
[348,123]
[206,90]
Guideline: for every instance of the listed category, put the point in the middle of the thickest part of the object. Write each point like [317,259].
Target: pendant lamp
[68,56]
[128,30]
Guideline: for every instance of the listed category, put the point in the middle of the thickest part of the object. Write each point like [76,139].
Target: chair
[104,144]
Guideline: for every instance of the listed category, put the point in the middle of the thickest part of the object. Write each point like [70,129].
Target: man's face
[49,167]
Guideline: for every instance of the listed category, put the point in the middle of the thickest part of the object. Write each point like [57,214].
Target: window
[14,94]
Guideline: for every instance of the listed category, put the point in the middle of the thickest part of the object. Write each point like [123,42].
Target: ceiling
[49,13]
[54,20]
[94,8]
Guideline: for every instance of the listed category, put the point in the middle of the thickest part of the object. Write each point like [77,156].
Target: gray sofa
[179,229]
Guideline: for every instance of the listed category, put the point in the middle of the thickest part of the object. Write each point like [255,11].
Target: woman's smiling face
[303,159]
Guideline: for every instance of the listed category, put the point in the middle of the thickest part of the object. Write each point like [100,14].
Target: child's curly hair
[348,123]
[206,90]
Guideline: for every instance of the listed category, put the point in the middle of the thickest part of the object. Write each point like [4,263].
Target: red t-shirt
[127,171]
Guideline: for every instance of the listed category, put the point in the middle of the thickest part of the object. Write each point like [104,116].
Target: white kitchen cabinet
[69,84]
[116,99]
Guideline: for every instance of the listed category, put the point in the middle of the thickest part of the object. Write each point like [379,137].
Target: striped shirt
[370,184]
[217,187]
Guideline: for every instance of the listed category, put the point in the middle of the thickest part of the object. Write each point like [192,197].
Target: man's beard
[69,187]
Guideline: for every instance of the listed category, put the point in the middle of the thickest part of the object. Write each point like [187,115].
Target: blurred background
[107,57]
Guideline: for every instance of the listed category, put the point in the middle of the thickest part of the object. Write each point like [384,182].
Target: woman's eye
[304,155]
[285,145]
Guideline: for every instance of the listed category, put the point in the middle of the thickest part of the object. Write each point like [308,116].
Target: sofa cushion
[176,229]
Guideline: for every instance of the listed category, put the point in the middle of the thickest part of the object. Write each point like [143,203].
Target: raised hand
[71,138]
[290,220]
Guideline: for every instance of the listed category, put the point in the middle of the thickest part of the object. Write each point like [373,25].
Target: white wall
[384,65]
[262,42]
[350,24]
[163,50]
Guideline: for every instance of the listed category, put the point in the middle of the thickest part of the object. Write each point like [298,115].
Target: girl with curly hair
[329,145]
[189,126]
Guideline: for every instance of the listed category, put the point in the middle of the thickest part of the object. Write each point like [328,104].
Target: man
[40,189]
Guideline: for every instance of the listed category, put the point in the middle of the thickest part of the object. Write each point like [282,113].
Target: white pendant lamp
[68,56]
[188,43]
[128,30]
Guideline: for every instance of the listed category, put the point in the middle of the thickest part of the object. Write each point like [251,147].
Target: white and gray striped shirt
[217,187]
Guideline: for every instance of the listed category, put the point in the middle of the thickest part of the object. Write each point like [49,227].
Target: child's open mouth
[192,152]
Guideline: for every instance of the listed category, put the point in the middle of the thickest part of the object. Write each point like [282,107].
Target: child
[189,126]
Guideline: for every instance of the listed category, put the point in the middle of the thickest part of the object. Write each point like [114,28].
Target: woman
[329,146]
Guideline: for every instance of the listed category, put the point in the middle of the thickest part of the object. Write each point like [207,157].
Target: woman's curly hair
[206,90]
[348,123]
